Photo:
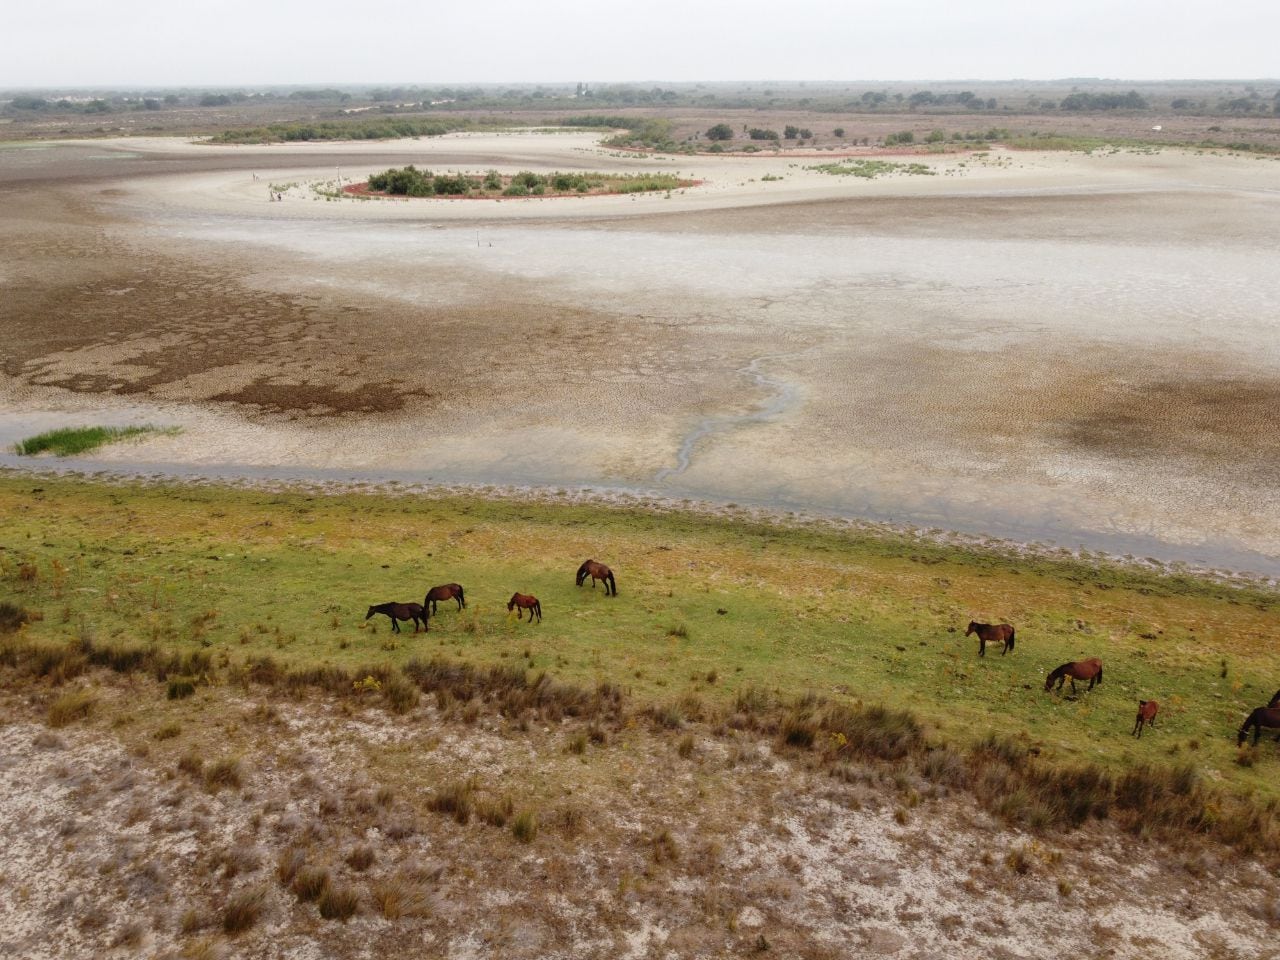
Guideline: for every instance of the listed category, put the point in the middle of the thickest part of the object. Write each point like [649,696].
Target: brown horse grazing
[1147,710]
[401,611]
[991,633]
[1261,717]
[524,602]
[598,571]
[1090,670]
[447,591]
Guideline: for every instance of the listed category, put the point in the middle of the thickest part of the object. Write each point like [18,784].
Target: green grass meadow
[706,606]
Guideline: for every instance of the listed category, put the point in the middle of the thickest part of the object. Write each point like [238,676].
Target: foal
[520,602]
[1147,710]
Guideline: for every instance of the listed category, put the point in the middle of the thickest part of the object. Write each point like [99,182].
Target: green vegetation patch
[69,441]
[870,169]
[411,182]
[720,614]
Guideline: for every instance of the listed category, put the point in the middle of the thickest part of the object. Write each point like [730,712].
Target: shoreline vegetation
[69,441]
[847,647]
[657,135]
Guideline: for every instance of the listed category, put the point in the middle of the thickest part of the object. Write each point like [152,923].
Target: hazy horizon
[138,43]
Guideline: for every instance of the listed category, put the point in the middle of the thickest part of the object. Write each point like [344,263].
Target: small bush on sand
[400,896]
[70,707]
[361,857]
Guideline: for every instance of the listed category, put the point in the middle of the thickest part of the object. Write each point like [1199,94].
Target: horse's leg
[982,646]
[395,624]
[1005,648]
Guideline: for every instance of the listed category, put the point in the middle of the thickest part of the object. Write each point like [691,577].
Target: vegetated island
[411,182]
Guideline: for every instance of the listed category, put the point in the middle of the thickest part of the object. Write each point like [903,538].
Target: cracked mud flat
[1065,347]
[114,847]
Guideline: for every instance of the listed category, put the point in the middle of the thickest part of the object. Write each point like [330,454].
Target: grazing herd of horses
[1091,670]
[520,602]
[1001,633]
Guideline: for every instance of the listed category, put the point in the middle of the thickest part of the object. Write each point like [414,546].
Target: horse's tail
[1099,673]
[582,575]
[613,583]
[1012,636]
[461,596]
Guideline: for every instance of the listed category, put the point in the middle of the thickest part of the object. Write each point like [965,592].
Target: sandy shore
[1069,347]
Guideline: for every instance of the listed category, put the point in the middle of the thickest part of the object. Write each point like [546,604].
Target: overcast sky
[195,42]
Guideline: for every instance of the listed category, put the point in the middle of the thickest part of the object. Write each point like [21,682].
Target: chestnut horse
[446,591]
[1147,710]
[520,602]
[598,571]
[991,633]
[1261,717]
[1090,670]
[401,611]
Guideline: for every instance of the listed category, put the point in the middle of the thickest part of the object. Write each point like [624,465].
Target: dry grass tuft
[361,857]
[223,773]
[243,910]
[70,707]
[288,863]
[168,732]
[495,812]
[400,896]
[525,826]
[456,799]
[310,882]
[13,617]
[338,902]
[130,935]
[663,847]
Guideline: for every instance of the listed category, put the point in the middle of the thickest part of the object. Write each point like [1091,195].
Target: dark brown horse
[401,611]
[991,633]
[1262,717]
[520,602]
[1147,710]
[446,591]
[1090,670]
[598,571]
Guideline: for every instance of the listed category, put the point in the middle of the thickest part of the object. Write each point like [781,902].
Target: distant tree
[839,132]
[215,100]
[171,99]
[721,131]
[150,104]
[991,103]
[936,136]
[921,98]
[755,133]
[806,133]
[29,103]
[790,132]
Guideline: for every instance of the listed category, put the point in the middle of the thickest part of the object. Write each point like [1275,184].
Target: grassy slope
[844,615]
